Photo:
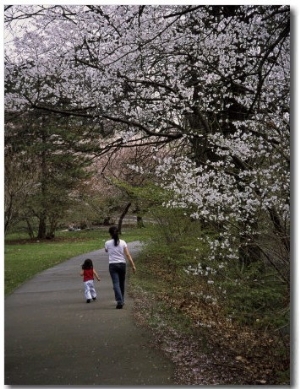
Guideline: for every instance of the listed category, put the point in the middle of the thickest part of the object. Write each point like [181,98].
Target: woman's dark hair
[88,264]
[114,233]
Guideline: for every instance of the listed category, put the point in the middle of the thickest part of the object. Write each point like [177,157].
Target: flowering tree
[214,77]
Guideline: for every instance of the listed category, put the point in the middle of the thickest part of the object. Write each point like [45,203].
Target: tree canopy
[161,71]
[215,79]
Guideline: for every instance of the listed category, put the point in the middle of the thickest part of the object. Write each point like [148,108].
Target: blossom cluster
[248,182]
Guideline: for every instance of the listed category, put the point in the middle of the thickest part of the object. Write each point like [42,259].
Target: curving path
[52,337]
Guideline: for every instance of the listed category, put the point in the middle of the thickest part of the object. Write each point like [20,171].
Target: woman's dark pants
[118,272]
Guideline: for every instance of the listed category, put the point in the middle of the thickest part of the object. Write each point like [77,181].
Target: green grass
[25,259]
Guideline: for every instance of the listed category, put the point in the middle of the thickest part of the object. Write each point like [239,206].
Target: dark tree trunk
[42,226]
[140,222]
[249,250]
[139,217]
[123,214]
[280,231]
[106,221]
[53,226]
[29,229]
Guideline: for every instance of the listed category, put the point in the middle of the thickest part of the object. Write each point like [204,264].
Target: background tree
[20,179]
[50,154]
[120,178]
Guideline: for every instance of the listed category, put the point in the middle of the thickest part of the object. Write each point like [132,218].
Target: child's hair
[88,264]
[114,233]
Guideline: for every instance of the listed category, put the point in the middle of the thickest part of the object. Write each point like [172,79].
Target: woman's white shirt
[115,253]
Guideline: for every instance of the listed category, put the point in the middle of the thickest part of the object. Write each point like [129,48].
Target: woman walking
[88,273]
[117,254]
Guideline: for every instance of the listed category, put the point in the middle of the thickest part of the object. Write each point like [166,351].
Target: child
[88,272]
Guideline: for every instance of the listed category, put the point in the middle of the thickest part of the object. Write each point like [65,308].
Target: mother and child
[117,254]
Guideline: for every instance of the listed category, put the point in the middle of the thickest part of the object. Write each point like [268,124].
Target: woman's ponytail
[114,233]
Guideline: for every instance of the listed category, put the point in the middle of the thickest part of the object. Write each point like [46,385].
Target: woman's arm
[128,256]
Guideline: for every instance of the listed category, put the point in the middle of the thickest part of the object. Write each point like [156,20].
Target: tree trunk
[280,231]
[29,229]
[139,217]
[106,221]
[8,212]
[42,226]
[249,251]
[123,214]
[53,226]
[140,222]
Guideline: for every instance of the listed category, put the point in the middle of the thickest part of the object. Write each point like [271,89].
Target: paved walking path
[53,337]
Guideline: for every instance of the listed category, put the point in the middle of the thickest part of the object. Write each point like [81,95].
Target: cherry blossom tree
[215,78]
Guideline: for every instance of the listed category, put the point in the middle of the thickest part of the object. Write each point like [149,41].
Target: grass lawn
[24,258]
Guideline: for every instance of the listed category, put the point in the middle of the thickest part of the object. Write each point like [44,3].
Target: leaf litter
[212,352]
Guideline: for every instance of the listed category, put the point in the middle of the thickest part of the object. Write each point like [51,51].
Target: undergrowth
[242,315]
